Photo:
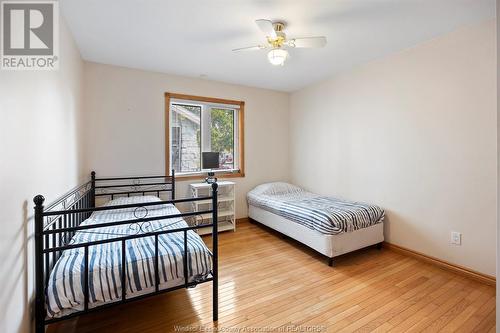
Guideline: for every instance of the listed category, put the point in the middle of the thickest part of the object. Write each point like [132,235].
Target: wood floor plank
[409,317]
[478,316]
[409,299]
[271,282]
[444,304]
[476,299]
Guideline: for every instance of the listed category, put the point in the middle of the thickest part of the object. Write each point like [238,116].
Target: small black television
[210,160]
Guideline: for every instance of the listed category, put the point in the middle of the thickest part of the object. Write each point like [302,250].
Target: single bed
[64,291]
[328,225]
[135,244]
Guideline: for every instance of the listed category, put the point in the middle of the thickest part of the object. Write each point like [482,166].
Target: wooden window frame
[241,134]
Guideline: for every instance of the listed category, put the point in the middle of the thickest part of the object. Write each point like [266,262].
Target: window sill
[204,175]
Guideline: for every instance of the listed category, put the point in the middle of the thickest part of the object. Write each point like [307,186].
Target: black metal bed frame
[56,224]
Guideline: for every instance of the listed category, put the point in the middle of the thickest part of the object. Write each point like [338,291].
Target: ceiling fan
[278,43]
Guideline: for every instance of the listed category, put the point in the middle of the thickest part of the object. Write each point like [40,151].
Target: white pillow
[132,200]
[276,188]
[139,199]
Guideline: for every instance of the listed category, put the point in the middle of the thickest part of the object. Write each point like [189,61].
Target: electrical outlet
[456,238]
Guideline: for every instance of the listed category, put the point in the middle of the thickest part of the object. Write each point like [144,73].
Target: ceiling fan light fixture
[277,57]
[278,42]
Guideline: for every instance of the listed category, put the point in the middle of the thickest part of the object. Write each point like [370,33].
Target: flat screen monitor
[210,160]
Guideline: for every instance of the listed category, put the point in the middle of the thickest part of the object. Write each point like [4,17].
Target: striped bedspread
[327,215]
[65,286]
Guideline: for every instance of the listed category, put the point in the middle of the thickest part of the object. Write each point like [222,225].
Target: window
[201,124]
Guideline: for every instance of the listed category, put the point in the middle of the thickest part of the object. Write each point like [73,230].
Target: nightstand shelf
[226,206]
[223,226]
[219,199]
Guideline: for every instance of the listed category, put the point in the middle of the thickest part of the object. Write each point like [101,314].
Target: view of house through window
[185,137]
[197,127]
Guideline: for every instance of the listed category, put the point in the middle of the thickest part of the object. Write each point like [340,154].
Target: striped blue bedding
[327,215]
[65,285]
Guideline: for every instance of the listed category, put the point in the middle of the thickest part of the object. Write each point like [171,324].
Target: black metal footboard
[56,225]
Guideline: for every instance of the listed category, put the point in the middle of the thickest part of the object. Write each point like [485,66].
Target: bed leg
[330,262]
[379,246]
[39,273]
[215,253]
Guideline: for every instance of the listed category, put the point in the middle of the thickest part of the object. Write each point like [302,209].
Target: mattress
[328,245]
[327,215]
[65,285]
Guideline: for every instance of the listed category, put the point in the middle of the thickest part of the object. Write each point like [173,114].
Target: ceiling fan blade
[250,48]
[310,42]
[266,27]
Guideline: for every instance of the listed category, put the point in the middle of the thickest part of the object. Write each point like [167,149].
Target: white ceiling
[195,38]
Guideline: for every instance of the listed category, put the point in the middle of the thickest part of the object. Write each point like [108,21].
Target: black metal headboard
[127,186]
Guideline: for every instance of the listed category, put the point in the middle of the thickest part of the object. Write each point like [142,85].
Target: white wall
[40,154]
[498,164]
[125,125]
[415,133]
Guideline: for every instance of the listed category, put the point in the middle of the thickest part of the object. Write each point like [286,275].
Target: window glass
[222,136]
[185,137]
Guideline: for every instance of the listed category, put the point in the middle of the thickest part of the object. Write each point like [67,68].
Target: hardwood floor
[267,281]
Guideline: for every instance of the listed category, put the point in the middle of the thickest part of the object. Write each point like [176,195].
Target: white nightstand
[226,205]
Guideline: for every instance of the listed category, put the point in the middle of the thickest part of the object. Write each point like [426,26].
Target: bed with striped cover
[65,286]
[327,215]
